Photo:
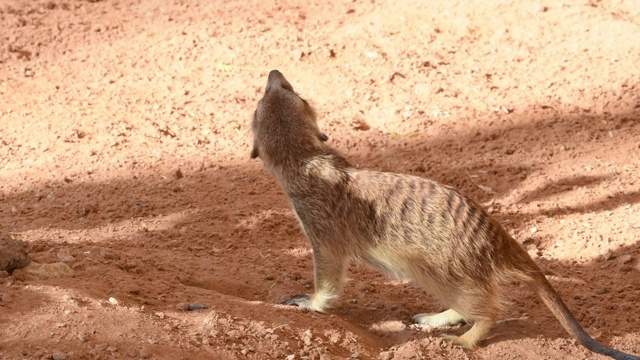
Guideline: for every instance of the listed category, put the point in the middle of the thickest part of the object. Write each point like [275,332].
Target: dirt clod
[14,253]
[58,355]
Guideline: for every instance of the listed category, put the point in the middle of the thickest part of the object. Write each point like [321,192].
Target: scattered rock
[534,230]
[360,124]
[36,271]
[82,337]
[608,255]
[144,353]
[5,298]
[65,256]
[624,259]
[14,254]
[307,337]
[602,290]
[103,253]
[132,353]
[113,301]
[190,307]
[58,355]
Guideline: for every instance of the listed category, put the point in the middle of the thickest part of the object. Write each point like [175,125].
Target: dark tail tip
[595,346]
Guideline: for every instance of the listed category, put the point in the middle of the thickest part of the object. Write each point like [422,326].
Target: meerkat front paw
[300,300]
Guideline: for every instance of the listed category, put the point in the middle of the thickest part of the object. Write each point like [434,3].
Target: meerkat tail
[541,286]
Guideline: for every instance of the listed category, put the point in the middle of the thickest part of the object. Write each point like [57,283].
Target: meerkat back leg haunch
[477,302]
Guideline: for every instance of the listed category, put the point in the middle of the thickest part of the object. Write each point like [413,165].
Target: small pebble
[193,307]
[534,230]
[65,256]
[58,355]
[190,307]
[113,301]
[602,291]
[5,298]
[624,259]
[307,337]
[132,353]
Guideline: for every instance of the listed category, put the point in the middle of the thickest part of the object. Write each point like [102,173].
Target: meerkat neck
[299,176]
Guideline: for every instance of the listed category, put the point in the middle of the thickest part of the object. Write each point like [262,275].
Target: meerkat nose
[277,80]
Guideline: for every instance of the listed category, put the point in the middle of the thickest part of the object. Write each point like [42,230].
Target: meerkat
[406,226]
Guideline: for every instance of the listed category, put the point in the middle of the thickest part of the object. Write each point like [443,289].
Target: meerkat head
[283,118]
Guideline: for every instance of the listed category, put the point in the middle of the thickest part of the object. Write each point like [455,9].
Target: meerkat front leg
[328,275]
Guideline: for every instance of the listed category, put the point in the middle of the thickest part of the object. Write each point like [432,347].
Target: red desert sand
[124,166]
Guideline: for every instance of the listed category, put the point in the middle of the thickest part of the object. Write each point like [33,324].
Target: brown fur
[407,226]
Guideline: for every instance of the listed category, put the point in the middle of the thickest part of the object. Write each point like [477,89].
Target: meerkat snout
[277,116]
[277,80]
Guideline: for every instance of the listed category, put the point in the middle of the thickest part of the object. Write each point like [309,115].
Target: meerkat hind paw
[442,319]
[459,341]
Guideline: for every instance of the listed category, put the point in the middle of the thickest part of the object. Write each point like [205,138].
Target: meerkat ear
[323,137]
[254,152]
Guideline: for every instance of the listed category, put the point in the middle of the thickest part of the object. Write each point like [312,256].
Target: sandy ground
[124,164]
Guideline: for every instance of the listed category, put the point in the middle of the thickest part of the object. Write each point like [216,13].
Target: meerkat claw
[301,300]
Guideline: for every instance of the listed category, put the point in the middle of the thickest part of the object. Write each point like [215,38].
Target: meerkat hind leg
[480,306]
[446,318]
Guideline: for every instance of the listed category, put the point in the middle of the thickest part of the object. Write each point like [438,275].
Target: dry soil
[124,163]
